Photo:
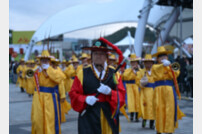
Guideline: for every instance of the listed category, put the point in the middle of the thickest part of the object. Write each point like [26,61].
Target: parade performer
[113,63]
[70,73]
[112,60]
[21,75]
[167,112]
[64,105]
[101,116]
[45,115]
[84,59]
[30,82]
[147,92]
[63,65]
[131,78]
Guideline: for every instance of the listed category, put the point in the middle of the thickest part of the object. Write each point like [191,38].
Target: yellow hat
[74,59]
[64,61]
[45,54]
[133,57]
[27,62]
[68,62]
[22,60]
[83,55]
[32,61]
[112,57]
[53,59]
[161,50]
[148,57]
[89,56]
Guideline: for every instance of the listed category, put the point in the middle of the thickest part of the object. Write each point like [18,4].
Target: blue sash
[151,85]
[169,83]
[129,81]
[54,90]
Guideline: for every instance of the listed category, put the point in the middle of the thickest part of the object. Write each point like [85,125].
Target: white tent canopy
[91,15]
[126,41]
[188,41]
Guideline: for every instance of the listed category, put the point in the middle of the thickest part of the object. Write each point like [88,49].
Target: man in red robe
[102,111]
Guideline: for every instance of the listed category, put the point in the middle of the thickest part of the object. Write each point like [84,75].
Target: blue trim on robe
[169,83]
[124,84]
[54,90]
[129,81]
[150,85]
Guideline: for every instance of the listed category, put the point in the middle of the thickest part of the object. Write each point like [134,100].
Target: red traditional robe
[86,83]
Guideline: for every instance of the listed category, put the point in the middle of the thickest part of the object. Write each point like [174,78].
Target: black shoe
[30,95]
[136,117]
[151,124]
[131,116]
[22,90]
[144,123]
[136,120]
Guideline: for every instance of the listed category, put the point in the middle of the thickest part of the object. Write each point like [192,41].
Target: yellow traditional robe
[65,106]
[132,83]
[30,83]
[21,81]
[164,100]
[70,73]
[146,98]
[45,115]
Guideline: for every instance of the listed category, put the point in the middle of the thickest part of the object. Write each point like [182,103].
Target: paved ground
[20,119]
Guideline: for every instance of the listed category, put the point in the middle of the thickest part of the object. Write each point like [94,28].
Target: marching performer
[131,78]
[21,75]
[166,89]
[95,79]
[112,60]
[46,100]
[30,83]
[64,105]
[70,73]
[147,92]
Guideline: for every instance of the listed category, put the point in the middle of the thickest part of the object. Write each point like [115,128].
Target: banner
[22,37]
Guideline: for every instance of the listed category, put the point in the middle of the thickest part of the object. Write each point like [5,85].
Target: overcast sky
[27,15]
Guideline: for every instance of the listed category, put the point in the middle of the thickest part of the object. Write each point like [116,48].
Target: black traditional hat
[99,45]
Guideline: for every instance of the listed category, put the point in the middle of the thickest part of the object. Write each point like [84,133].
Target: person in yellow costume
[112,60]
[147,92]
[45,114]
[64,105]
[166,109]
[70,73]
[63,65]
[84,60]
[113,63]
[131,78]
[21,75]
[30,83]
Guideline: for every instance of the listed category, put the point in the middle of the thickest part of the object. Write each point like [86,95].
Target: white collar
[149,72]
[103,71]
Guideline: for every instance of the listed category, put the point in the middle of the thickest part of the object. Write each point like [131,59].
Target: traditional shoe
[144,123]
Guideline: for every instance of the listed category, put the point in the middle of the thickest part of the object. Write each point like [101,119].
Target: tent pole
[29,50]
[140,31]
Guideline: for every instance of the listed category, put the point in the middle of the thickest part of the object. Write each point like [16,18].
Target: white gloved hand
[90,100]
[45,66]
[39,69]
[144,81]
[104,89]
[165,62]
